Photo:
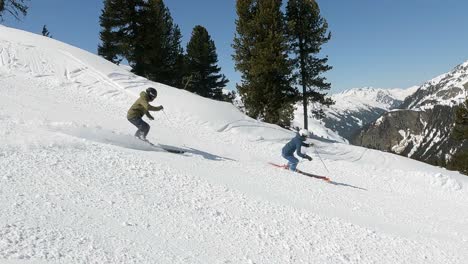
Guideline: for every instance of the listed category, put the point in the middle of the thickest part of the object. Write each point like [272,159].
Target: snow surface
[76,187]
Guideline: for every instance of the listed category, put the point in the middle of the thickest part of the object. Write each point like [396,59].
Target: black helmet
[152,93]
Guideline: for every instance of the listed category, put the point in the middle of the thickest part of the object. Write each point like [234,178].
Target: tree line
[459,160]
[144,34]
[277,54]
[15,8]
[274,52]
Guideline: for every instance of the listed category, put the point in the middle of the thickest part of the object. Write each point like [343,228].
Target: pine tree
[119,22]
[460,131]
[261,56]
[307,32]
[163,59]
[143,33]
[202,71]
[16,8]
[45,32]
[459,160]
[229,96]
[176,58]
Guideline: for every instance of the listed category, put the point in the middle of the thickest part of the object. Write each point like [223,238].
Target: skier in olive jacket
[295,146]
[142,107]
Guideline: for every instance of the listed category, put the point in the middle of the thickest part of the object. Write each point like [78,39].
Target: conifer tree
[230,96]
[161,42]
[119,23]
[261,49]
[460,133]
[201,66]
[45,32]
[16,8]
[177,58]
[143,33]
[307,32]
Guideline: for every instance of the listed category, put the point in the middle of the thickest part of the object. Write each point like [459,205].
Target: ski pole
[315,149]
[167,118]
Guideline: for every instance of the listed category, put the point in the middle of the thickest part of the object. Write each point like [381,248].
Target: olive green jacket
[142,107]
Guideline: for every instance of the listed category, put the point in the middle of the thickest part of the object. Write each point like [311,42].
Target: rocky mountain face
[358,107]
[421,128]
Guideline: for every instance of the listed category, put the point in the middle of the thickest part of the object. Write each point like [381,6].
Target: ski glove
[308,145]
[160,108]
[309,158]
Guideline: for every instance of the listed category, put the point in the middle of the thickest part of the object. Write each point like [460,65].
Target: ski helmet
[304,133]
[152,93]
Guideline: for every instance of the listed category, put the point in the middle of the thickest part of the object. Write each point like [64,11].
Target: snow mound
[445,182]
[100,135]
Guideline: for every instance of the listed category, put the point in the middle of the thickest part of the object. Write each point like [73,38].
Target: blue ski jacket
[295,145]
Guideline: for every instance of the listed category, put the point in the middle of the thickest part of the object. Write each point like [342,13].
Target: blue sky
[379,43]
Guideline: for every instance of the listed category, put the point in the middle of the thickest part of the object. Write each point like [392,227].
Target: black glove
[161,108]
[308,157]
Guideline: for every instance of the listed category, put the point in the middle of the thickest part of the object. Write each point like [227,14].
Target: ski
[303,173]
[313,175]
[279,166]
[175,151]
[170,150]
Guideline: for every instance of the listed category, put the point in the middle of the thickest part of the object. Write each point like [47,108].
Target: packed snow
[76,187]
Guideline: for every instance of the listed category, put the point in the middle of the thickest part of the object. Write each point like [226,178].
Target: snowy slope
[75,187]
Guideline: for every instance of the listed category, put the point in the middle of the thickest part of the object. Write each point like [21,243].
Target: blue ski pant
[292,161]
[143,127]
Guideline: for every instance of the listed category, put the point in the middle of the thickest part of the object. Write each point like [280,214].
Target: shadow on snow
[99,135]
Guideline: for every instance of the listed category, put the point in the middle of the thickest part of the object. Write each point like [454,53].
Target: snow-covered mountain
[77,187]
[353,99]
[422,127]
[355,108]
[445,90]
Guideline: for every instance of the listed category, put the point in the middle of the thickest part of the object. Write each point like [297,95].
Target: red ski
[303,173]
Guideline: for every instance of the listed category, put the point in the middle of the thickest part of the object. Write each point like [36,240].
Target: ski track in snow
[76,187]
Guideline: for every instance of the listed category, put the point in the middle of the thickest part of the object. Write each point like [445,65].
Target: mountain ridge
[357,107]
[426,135]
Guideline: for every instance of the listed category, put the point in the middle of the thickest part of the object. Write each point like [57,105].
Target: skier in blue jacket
[295,146]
